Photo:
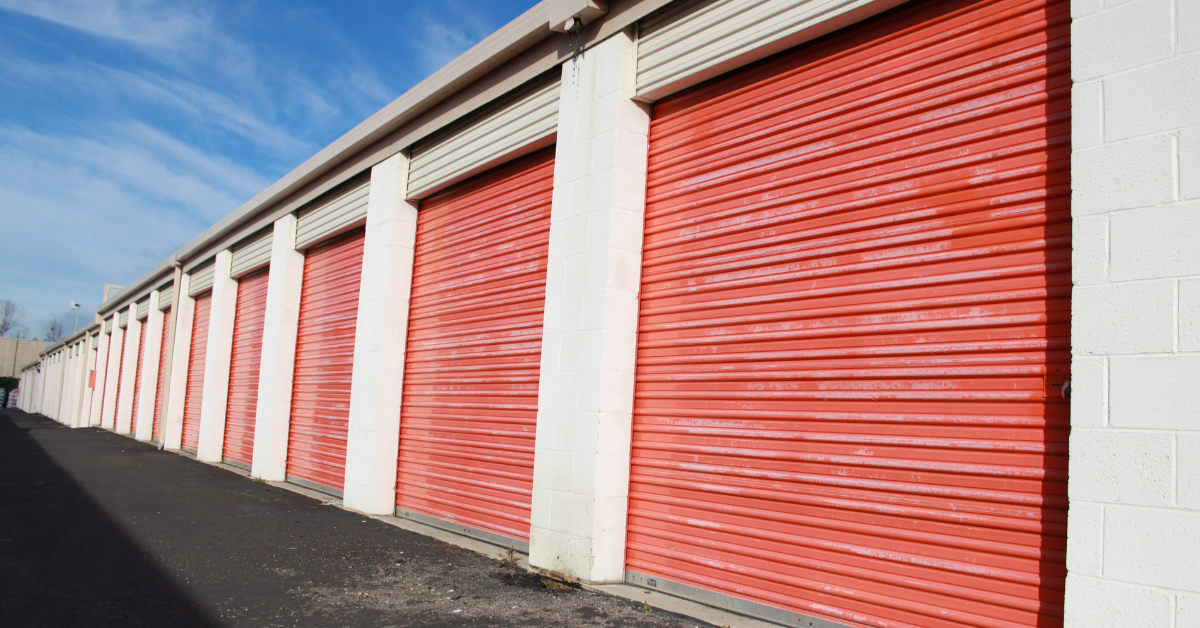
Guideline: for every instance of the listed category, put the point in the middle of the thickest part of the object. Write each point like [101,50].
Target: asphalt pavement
[99,530]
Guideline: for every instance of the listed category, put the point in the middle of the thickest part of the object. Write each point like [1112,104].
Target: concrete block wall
[116,341]
[184,312]
[589,334]
[218,353]
[380,341]
[144,412]
[281,324]
[85,406]
[1134,522]
[96,404]
[128,374]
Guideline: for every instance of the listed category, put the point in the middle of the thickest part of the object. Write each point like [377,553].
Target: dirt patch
[452,586]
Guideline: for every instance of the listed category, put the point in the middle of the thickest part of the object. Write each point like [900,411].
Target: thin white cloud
[141,22]
[204,106]
[102,209]
[101,197]
[446,37]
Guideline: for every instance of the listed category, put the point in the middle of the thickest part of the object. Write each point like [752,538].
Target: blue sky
[127,127]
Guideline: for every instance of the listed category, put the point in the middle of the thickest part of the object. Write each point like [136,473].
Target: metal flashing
[468,531]
[728,602]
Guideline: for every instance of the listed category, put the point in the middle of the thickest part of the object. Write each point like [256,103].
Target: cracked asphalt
[98,530]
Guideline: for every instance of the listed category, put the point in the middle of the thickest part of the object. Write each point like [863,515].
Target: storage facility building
[827,312]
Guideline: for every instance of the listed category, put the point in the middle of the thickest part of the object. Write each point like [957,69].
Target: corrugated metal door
[137,377]
[195,375]
[854,325]
[325,361]
[162,375]
[474,349]
[243,367]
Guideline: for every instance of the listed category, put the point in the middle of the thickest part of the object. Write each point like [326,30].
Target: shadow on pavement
[63,561]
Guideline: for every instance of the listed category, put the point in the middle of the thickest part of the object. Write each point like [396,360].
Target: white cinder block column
[1134,523]
[185,315]
[116,341]
[85,393]
[373,442]
[47,386]
[49,390]
[154,331]
[64,391]
[95,399]
[216,361]
[282,320]
[57,394]
[36,389]
[585,395]
[86,364]
[128,372]
[60,385]
[66,409]
[79,368]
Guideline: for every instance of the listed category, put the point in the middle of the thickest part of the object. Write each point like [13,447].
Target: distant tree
[11,319]
[53,329]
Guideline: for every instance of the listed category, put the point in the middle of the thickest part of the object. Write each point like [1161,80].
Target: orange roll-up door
[195,375]
[325,361]
[162,374]
[243,367]
[137,377]
[474,349]
[854,325]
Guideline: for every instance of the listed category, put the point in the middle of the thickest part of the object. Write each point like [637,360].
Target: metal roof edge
[506,44]
[526,30]
[139,288]
[68,340]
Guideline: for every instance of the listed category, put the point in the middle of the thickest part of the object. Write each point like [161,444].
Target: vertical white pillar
[281,323]
[373,443]
[116,341]
[36,389]
[128,372]
[185,314]
[97,351]
[60,410]
[60,391]
[67,388]
[150,360]
[83,393]
[585,394]
[216,361]
[48,399]
[50,395]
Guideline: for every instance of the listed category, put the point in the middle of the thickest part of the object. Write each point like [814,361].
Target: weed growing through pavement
[510,559]
[258,480]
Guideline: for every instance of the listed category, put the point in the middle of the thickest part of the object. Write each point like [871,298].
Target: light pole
[75,306]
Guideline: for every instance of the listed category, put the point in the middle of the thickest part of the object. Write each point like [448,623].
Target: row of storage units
[841,342]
